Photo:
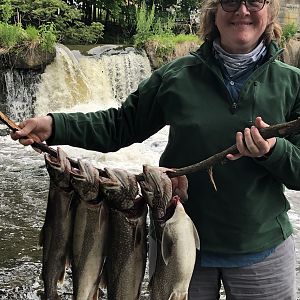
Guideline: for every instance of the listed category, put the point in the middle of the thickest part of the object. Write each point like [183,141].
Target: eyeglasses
[234,5]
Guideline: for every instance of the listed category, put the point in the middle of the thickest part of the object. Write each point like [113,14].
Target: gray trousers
[272,279]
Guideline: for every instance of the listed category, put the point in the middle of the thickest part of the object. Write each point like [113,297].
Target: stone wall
[157,60]
[290,12]
[291,54]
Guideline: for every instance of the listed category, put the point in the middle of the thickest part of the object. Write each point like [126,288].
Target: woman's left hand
[251,143]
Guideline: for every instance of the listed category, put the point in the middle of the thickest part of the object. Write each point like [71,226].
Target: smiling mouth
[241,23]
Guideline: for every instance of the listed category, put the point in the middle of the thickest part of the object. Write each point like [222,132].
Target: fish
[56,233]
[127,245]
[89,234]
[173,240]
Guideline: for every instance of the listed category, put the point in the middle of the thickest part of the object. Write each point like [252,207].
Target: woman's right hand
[32,130]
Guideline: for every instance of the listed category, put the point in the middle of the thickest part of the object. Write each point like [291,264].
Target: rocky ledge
[179,50]
[25,58]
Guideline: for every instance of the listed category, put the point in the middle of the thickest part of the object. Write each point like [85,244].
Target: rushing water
[71,83]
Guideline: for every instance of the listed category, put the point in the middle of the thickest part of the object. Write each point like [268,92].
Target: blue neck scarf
[237,64]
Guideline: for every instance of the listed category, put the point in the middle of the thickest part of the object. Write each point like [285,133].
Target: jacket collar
[205,51]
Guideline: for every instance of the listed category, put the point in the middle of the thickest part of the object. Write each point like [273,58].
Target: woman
[233,83]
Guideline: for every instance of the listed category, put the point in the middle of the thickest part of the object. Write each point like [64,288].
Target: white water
[20,87]
[71,83]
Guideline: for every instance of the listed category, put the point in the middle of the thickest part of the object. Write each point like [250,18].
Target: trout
[90,233]
[56,233]
[172,246]
[127,250]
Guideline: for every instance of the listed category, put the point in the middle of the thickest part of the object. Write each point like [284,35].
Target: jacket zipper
[234,105]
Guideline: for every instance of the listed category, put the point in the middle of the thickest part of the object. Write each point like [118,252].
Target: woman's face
[241,30]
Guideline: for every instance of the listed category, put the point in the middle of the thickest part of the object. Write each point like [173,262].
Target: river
[71,83]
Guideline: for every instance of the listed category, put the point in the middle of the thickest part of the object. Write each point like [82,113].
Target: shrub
[6,11]
[83,34]
[149,27]
[32,34]
[166,44]
[144,25]
[10,35]
[48,37]
[289,30]
[13,37]
[164,26]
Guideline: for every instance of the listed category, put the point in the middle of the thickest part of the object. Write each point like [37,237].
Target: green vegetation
[165,45]
[14,37]
[10,35]
[159,34]
[82,34]
[48,39]
[144,25]
[39,24]
[65,18]
[288,31]
[88,21]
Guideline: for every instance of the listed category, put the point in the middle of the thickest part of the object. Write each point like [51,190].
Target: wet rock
[291,54]
[26,58]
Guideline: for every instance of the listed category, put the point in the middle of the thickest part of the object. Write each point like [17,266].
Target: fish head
[59,168]
[120,189]
[157,190]
[85,181]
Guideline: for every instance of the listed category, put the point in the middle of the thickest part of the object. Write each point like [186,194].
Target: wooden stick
[279,130]
[41,146]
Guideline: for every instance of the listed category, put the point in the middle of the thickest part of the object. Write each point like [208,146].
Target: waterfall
[75,82]
[19,93]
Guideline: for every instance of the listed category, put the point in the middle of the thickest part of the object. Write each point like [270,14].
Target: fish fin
[103,276]
[41,237]
[196,236]
[70,210]
[166,244]
[100,217]
[61,277]
[103,215]
[137,236]
[68,261]
[178,296]
[96,295]
[152,255]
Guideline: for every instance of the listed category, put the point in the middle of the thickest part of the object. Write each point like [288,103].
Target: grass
[165,44]
[13,37]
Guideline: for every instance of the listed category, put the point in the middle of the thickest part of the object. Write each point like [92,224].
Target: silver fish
[173,245]
[57,230]
[127,250]
[90,233]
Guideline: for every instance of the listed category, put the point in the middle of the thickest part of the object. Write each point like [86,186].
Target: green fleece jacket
[248,212]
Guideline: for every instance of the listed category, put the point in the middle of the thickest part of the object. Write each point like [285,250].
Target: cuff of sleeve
[276,154]
[58,137]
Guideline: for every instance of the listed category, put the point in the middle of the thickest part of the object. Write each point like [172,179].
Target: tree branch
[279,130]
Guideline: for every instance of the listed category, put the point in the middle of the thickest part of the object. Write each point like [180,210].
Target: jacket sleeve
[284,162]
[139,117]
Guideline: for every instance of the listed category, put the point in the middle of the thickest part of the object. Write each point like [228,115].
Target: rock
[26,58]
[157,60]
[291,53]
